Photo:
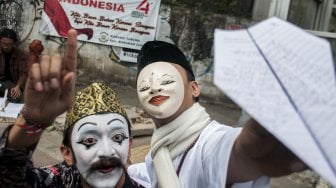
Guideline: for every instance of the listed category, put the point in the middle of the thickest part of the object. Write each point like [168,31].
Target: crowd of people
[188,148]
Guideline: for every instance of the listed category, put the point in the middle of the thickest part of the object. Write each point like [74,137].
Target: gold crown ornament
[97,98]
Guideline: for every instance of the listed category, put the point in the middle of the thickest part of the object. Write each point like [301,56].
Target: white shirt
[206,163]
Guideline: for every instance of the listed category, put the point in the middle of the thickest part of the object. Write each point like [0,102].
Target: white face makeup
[160,89]
[96,136]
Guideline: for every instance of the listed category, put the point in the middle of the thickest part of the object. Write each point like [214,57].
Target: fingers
[55,71]
[15,93]
[297,166]
[70,56]
[280,162]
[46,75]
[44,70]
[69,69]
[35,77]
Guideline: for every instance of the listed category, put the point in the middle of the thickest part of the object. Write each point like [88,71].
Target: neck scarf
[173,139]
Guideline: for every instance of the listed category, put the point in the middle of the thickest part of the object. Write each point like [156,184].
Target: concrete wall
[307,14]
[190,26]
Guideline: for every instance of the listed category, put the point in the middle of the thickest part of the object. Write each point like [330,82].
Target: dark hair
[154,51]
[67,136]
[9,33]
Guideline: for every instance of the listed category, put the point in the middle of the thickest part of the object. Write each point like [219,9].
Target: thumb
[297,165]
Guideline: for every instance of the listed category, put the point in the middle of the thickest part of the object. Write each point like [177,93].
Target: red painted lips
[158,100]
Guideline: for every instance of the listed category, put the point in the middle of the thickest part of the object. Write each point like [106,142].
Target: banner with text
[122,23]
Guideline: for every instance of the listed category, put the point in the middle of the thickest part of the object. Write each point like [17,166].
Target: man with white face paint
[94,139]
[97,137]
[188,149]
[162,92]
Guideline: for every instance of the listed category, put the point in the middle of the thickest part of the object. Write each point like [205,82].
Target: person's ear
[196,90]
[130,144]
[67,155]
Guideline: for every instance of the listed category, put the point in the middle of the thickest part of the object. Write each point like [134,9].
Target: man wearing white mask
[97,137]
[188,149]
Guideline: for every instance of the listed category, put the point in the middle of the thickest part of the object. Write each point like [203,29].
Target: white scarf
[173,139]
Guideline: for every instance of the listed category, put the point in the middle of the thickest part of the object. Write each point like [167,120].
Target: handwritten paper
[285,79]
[11,110]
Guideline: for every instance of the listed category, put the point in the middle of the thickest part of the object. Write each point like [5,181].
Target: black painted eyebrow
[142,82]
[166,75]
[112,120]
[91,123]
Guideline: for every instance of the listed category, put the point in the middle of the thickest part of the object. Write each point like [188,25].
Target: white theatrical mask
[96,136]
[160,89]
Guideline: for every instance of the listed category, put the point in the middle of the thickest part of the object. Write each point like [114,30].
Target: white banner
[122,23]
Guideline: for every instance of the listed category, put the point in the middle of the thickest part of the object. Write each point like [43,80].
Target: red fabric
[35,49]
[60,21]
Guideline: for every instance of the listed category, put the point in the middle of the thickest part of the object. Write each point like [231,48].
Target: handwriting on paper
[285,79]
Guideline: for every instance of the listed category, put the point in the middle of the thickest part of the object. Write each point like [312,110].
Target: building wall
[310,14]
[190,26]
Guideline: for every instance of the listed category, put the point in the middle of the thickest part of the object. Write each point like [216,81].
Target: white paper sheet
[2,103]
[285,79]
[11,110]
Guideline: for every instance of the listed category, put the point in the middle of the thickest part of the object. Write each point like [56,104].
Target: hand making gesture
[49,93]
[50,86]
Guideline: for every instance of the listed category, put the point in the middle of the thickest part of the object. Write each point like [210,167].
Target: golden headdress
[94,99]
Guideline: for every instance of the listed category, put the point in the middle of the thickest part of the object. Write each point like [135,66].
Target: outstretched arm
[49,92]
[257,152]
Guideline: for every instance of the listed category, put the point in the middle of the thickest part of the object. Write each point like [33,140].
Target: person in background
[188,148]
[97,137]
[13,66]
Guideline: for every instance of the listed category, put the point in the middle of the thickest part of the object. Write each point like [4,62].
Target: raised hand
[50,85]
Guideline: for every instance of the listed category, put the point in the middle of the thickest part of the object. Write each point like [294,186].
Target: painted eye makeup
[144,86]
[144,89]
[119,138]
[88,142]
[166,82]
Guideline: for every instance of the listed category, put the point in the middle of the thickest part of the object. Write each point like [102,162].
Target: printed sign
[122,23]
[129,55]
